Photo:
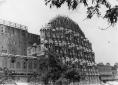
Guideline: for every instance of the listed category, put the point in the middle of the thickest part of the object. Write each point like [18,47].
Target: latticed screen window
[54,36]
[64,51]
[47,33]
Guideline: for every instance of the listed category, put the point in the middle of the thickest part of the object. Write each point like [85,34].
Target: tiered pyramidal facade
[64,38]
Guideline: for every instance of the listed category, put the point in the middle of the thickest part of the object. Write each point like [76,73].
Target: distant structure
[14,42]
[63,38]
[107,72]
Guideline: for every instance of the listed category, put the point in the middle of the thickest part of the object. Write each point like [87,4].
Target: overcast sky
[34,14]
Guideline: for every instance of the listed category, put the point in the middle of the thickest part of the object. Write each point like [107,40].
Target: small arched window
[18,65]
[35,64]
[11,65]
[30,65]
[24,65]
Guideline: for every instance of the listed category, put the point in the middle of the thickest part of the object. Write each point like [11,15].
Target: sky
[35,15]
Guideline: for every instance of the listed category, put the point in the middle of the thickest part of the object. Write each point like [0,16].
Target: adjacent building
[115,73]
[14,41]
[63,38]
[107,72]
[15,38]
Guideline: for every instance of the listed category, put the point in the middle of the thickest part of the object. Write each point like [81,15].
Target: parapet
[12,24]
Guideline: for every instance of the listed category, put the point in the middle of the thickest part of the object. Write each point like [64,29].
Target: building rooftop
[12,24]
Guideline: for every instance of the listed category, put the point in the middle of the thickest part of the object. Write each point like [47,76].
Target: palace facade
[63,38]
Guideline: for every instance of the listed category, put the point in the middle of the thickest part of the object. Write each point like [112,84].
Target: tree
[72,75]
[93,8]
[52,69]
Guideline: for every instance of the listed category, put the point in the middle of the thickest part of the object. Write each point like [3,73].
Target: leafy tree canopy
[72,75]
[52,69]
[93,8]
